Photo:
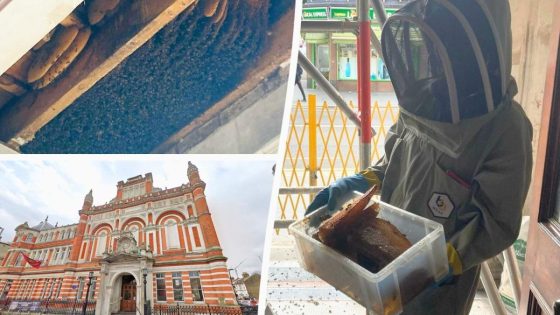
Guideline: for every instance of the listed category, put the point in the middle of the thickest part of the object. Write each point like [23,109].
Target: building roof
[44,225]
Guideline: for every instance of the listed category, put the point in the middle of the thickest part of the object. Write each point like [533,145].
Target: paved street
[293,290]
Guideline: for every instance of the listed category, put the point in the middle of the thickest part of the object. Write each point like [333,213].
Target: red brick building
[167,234]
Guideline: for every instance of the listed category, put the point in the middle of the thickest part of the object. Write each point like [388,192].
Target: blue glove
[330,195]
[455,267]
[447,280]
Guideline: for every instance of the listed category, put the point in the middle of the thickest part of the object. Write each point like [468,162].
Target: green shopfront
[335,54]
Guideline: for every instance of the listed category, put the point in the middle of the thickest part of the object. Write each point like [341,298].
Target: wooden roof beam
[109,46]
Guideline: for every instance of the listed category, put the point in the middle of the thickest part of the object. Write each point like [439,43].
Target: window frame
[92,288]
[19,259]
[172,224]
[101,245]
[177,276]
[58,288]
[80,290]
[194,280]
[6,289]
[44,289]
[160,276]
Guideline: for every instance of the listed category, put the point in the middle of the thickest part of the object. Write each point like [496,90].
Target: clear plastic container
[392,287]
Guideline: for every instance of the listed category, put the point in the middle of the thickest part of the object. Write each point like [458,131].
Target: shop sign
[315,13]
[350,13]
[388,12]
[343,13]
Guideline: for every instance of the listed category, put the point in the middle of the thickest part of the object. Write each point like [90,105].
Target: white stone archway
[116,265]
[111,285]
[115,298]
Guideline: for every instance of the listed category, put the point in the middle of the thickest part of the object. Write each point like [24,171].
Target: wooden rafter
[122,35]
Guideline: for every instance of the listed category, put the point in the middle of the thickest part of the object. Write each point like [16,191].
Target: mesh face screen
[416,66]
[419,79]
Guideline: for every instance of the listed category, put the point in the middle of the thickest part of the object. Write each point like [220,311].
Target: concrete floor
[292,290]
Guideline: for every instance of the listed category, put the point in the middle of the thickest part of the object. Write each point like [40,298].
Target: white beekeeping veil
[449,60]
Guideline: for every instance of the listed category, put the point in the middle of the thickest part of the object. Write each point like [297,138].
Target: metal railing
[46,306]
[166,309]
[249,310]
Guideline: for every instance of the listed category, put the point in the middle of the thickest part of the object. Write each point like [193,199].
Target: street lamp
[145,274]
[90,277]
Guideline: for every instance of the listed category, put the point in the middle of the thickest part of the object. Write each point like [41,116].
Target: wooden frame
[540,279]
[115,41]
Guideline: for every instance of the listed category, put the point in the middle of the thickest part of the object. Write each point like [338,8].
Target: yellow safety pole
[312,114]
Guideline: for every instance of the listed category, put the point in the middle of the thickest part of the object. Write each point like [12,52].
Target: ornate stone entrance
[128,294]
[121,287]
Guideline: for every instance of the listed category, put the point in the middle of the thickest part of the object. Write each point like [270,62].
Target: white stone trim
[187,268]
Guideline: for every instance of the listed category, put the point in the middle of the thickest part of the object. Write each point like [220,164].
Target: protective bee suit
[460,153]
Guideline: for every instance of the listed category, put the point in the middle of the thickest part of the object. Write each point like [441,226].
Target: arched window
[172,233]
[18,260]
[190,211]
[135,233]
[62,255]
[63,235]
[55,257]
[101,243]
[51,236]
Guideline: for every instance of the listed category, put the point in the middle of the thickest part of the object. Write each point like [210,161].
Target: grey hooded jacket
[460,153]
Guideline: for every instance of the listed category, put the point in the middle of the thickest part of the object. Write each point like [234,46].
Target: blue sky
[238,190]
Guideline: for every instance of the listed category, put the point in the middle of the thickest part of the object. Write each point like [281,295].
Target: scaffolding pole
[364,82]
[491,290]
[379,10]
[312,110]
[381,18]
[514,274]
[328,88]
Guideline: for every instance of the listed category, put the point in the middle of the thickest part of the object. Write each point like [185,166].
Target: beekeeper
[460,152]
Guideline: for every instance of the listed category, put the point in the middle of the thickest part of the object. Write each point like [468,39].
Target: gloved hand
[455,264]
[339,188]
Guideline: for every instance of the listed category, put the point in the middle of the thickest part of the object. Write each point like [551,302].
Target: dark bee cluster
[171,80]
